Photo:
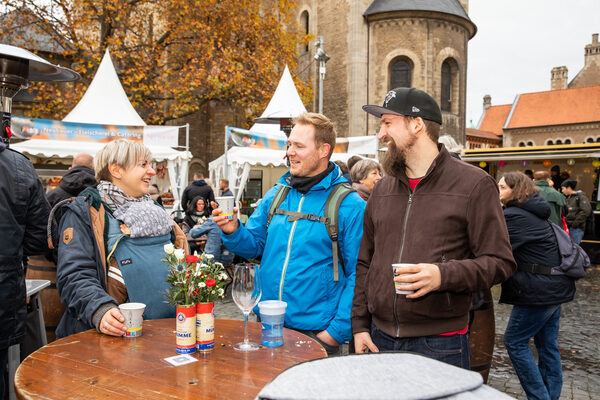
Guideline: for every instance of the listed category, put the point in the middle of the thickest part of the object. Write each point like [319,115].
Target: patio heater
[18,67]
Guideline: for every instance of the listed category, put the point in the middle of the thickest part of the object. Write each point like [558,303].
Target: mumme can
[186,329]
[205,327]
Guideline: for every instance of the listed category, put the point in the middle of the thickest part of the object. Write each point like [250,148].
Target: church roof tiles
[494,118]
[555,107]
[444,6]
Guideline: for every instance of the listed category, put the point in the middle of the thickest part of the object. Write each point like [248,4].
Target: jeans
[576,235]
[453,349]
[544,380]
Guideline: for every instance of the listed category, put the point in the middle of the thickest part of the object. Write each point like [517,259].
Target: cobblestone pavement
[578,341]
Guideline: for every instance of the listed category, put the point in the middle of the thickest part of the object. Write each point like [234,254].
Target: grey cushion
[378,376]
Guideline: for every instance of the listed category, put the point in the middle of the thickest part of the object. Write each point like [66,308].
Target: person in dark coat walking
[23,217]
[80,176]
[199,187]
[535,293]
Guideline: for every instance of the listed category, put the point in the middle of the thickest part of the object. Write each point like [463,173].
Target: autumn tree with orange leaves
[172,56]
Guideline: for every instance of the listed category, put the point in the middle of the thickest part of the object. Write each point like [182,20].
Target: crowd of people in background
[421,220]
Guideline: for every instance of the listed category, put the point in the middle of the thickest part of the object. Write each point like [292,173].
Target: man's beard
[394,160]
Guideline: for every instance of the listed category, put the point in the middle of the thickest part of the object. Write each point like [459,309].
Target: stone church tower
[377,45]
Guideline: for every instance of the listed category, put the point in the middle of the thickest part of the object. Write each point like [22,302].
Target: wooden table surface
[95,366]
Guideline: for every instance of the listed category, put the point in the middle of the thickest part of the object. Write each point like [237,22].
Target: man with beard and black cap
[439,217]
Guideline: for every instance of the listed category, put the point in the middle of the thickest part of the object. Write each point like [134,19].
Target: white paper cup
[399,285]
[226,205]
[133,313]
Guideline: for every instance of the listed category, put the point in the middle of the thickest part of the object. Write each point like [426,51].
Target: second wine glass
[246,294]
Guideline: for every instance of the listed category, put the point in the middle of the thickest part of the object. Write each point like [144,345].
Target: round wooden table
[95,366]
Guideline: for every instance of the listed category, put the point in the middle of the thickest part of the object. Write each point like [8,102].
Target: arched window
[400,73]
[567,141]
[446,87]
[304,25]
[589,140]
[449,88]
[530,143]
[598,140]
[549,142]
[522,144]
[558,141]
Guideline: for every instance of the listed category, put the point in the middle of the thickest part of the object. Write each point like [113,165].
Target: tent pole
[225,175]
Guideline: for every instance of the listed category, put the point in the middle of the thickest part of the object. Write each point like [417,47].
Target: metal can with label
[205,327]
[186,329]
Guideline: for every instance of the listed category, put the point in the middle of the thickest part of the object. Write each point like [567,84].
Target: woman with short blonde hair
[112,242]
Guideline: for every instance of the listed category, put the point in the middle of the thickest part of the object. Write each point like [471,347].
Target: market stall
[580,161]
[104,113]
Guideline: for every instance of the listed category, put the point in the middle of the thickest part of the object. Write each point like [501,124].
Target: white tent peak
[285,103]
[105,101]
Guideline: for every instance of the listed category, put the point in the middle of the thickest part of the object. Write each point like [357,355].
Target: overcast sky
[518,42]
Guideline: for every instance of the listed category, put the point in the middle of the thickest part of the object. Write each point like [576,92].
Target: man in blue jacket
[297,261]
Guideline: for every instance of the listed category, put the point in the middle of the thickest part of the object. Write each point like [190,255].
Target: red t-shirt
[413,184]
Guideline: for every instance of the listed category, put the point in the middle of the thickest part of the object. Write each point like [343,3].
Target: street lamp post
[322,58]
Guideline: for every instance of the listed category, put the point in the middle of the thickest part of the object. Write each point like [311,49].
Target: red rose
[211,282]
[191,259]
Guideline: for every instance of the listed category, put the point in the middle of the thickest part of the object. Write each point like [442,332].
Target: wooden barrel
[482,336]
[39,267]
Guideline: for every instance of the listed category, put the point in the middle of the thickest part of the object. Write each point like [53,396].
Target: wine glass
[246,293]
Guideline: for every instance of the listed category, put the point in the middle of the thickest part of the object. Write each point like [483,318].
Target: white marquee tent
[235,164]
[105,103]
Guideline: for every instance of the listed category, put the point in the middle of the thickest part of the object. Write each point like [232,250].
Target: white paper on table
[180,359]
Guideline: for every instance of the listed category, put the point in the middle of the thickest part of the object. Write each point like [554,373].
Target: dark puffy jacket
[72,183]
[579,209]
[197,188]
[81,271]
[533,242]
[23,218]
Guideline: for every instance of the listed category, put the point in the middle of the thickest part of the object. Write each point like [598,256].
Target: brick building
[569,113]
[378,45]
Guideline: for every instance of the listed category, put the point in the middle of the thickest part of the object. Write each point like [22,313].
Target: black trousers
[3,373]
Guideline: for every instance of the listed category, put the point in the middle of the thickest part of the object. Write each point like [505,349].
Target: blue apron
[142,269]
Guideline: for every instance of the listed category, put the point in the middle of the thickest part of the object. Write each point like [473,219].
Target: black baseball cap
[409,102]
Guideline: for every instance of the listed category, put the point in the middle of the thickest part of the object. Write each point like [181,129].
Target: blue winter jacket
[297,261]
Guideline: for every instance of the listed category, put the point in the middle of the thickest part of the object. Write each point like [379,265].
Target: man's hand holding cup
[224,220]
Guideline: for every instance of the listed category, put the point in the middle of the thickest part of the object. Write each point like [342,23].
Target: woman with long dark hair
[535,294]
[195,215]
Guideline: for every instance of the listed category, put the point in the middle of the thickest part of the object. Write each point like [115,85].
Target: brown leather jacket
[453,219]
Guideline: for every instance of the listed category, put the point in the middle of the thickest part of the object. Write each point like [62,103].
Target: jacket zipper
[410,196]
[287,253]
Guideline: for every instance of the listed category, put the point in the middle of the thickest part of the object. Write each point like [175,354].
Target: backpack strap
[295,216]
[280,195]
[535,269]
[331,218]
[52,222]
[332,208]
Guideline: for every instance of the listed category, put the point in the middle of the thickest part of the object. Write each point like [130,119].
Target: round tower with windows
[378,45]
[424,45]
